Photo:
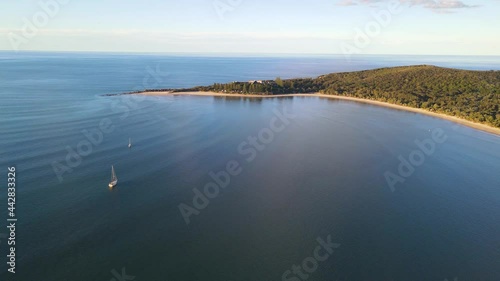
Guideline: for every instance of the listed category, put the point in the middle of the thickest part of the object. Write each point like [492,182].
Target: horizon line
[237,53]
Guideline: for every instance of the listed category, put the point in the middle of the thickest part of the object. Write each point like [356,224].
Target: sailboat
[129,143]
[114,179]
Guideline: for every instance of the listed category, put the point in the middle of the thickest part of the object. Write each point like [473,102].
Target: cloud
[357,2]
[439,6]
[134,33]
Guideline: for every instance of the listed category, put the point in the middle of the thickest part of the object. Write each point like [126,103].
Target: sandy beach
[461,121]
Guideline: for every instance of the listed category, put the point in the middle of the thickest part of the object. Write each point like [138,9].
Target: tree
[279,81]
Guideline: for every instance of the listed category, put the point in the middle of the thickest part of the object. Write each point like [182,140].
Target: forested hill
[472,95]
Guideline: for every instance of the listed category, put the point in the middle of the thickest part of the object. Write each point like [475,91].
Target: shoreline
[470,124]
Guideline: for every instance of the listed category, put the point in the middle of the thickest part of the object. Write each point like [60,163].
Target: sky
[423,27]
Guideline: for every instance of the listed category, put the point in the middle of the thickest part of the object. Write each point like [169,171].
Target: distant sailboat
[114,179]
[129,143]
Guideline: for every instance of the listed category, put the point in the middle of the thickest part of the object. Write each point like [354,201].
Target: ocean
[227,188]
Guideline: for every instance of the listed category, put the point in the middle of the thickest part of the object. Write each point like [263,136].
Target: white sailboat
[129,143]
[114,179]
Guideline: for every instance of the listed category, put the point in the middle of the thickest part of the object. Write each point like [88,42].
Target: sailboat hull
[114,179]
[113,183]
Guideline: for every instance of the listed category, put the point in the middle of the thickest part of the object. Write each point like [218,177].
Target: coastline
[474,125]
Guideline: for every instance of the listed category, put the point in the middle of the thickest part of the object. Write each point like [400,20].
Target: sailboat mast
[114,180]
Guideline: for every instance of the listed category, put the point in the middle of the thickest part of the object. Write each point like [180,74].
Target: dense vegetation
[472,95]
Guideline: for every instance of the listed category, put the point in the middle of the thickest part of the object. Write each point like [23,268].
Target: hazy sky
[468,27]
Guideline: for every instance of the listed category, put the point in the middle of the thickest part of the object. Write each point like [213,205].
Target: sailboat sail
[114,179]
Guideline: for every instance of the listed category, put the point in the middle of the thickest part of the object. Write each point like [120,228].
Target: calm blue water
[323,174]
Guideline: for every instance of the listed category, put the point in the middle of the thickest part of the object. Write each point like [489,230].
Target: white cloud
[439,6]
